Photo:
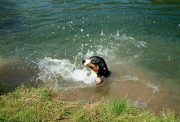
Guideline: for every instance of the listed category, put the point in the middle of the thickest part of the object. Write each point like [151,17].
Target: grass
[28,104]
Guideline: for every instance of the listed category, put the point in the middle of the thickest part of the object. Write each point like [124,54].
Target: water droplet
[102,33]
[117,33]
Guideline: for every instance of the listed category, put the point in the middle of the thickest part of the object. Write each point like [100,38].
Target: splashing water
[56,70]
[62,72]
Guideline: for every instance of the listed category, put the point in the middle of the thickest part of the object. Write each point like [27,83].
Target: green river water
[44,41]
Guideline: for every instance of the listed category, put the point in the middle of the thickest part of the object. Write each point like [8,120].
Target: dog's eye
[93,60]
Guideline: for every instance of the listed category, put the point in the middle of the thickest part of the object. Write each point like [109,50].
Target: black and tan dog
[99,69]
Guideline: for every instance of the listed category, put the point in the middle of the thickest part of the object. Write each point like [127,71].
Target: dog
[99,69]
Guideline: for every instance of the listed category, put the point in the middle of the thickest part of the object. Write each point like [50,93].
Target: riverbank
[41,104]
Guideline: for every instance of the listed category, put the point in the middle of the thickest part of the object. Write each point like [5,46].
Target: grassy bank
[39,104]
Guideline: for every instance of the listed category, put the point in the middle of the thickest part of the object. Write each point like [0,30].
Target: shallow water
[44,41]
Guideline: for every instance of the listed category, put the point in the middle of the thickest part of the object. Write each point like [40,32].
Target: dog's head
[98,65]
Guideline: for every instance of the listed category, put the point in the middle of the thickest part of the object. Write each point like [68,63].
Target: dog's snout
[83,61]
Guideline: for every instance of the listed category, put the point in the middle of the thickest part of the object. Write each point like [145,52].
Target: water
[44,42]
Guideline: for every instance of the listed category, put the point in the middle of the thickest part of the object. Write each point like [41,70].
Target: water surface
[44,41]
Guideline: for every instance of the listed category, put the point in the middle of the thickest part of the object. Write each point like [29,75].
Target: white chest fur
[93,74]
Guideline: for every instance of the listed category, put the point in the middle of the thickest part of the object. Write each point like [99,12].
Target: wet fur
[98,67]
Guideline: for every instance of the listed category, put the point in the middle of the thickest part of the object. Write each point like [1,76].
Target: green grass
[28,104]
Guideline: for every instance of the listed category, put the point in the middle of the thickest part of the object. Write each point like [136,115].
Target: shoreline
[27,103]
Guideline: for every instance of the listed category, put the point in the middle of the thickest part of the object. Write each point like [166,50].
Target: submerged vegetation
[40,104]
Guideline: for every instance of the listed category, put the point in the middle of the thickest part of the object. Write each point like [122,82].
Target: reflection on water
[45,41]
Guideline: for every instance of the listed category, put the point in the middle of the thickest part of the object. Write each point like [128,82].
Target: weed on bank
[28,104]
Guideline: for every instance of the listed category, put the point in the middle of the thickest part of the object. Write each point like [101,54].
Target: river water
[44,41]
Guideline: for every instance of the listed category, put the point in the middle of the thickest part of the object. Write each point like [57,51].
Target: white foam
[82,30]
[155,88]
[117,33]
[129,77]
[56,70]
[135,79]
[102,34]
